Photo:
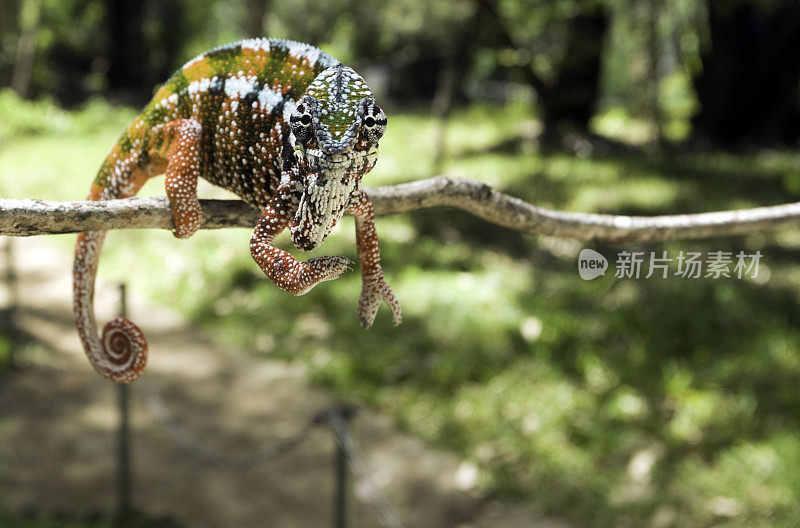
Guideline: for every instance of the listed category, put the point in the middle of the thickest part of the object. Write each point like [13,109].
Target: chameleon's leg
[374,288]
[183,170]
[289,274]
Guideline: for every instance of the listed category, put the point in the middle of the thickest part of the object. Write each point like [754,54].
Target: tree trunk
[457,58]
[166,46]
[567,100]
[256,13]
[653,10]
[127,55]
[572,97]
[29,16]
[749,89]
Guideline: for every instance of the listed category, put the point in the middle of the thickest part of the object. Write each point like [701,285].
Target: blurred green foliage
[573,58]
[6,351]
[404,43]
[621,403]
[29,118]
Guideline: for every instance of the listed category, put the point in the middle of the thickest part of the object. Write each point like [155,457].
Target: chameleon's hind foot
[373,291]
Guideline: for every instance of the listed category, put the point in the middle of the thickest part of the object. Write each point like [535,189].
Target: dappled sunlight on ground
[57,434]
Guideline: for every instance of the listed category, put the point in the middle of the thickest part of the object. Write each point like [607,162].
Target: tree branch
[37,217]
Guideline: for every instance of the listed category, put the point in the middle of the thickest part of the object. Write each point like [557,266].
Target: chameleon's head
[335,127]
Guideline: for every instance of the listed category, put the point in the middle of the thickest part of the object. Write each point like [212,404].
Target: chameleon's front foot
[298,278]
[293,276]
[373,291]
[285,271]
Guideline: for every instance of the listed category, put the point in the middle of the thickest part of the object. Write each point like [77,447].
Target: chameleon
[283,125]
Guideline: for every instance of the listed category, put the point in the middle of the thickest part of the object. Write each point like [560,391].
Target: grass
[625,403]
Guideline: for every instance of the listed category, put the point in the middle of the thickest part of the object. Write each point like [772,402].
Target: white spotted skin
[225,117]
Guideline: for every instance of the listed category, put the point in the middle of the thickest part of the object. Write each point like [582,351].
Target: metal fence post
[340,465]
[13,301]
[340,496]
[123,436]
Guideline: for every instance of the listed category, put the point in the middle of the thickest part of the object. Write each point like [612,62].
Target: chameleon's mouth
[330,181]
[317,159]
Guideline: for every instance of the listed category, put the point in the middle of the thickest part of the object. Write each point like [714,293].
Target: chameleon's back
[242,95]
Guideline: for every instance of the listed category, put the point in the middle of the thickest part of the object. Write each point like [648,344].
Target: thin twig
[37,217]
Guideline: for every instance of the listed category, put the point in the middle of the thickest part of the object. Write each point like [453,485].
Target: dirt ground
[58,423]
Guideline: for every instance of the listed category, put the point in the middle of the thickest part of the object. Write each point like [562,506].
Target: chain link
[333,417]
[384,510]
[191,445]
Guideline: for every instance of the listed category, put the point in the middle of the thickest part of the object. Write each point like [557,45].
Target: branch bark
[38,217]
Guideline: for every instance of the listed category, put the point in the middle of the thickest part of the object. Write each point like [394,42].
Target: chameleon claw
[372,293]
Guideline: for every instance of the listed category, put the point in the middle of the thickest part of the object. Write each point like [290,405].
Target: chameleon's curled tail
[121,353]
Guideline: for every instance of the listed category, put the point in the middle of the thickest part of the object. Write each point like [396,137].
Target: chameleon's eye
[374,123]
[300,122]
